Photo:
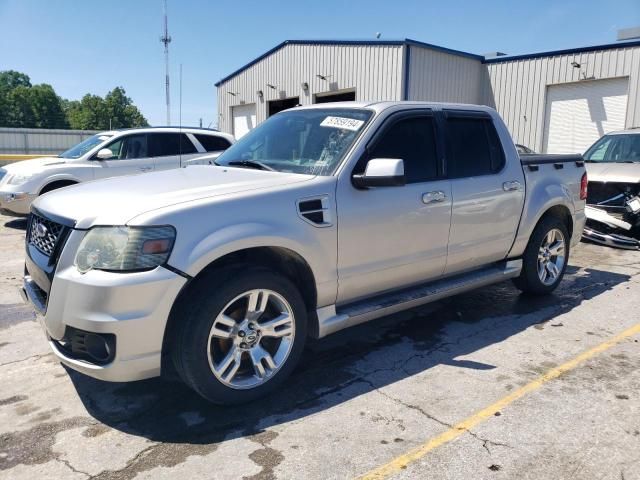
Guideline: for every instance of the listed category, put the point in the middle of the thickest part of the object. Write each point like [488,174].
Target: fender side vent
[315,210]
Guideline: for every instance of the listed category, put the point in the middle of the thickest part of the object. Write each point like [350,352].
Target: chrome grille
[44,234]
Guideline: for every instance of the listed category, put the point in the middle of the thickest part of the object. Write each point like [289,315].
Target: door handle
[511,186]
[145,169]
[432,197]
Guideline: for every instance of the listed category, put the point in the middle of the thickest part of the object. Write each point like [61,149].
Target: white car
[108,154]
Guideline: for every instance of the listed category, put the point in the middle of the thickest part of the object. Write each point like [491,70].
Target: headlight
[125,248]
[19,179]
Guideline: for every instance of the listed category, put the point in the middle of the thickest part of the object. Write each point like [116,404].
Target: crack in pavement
[71,467]
[485,441]
[37,357]
[129,464]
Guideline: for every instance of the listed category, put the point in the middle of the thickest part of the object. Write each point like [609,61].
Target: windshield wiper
[250,164]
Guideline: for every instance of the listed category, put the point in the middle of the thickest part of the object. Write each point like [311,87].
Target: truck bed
[532,160]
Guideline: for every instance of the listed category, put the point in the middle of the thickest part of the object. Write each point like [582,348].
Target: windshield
[84,146]
[624,148]
[310,141]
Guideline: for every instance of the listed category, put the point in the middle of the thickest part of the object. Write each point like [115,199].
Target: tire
[219,349]
[531,279]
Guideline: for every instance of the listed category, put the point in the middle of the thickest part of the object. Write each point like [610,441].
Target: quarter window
[474,148]
[413,140]
[213,143]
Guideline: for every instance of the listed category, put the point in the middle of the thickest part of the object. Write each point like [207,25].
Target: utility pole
[166,40]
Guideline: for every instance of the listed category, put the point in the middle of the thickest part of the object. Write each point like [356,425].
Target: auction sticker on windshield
[344,123]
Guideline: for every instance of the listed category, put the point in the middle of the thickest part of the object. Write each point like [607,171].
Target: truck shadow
[344,366]
[17,224]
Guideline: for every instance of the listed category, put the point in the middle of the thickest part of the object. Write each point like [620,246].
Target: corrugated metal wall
[517,88]
[374,71]
[442,77]
[39,140]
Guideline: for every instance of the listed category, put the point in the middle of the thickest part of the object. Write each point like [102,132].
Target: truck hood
[613,172]
[115,201]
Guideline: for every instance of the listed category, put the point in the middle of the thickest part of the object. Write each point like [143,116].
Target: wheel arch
[280,259]
[561,212]
[560,209]
[56,183]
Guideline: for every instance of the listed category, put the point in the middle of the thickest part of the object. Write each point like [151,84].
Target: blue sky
[89,46]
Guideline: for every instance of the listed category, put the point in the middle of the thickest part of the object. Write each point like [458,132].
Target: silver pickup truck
[321,218]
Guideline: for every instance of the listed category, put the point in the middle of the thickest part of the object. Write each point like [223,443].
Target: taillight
[583,186]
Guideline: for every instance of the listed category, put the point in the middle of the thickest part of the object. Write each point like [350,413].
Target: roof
[567,51]
[194,130]
[416,43]
[632,130]
[380,106]
[170,128]
[406,41]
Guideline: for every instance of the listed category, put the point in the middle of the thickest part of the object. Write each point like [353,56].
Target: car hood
[613,172]
[33,165]
[115,201]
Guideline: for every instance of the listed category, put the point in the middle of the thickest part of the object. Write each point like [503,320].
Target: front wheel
[242,337]
[545,258]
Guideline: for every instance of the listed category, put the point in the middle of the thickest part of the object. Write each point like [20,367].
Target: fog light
[13,197]
[97,347]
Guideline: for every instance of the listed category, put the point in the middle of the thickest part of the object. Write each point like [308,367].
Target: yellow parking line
[401,462]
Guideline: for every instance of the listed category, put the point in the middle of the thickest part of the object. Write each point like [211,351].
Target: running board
[331,320]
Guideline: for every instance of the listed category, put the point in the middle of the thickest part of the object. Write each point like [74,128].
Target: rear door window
[165,144]
[213,143]
[473,146]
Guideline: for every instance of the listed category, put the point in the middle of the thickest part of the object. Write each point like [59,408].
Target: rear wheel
[243,336]
[545,258]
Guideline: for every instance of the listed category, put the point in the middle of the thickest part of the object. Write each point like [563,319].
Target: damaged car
[613,201]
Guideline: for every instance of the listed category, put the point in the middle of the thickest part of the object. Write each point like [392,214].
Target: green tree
[25,105]
[88,114]
[47,107]
[121,110]
[10,79]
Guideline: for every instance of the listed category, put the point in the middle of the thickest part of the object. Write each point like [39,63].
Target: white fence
[30,141]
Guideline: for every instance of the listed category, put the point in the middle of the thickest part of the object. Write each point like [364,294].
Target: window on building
[474,148]
[413,140]
[213,143]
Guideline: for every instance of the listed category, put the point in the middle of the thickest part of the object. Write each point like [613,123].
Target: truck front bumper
[16,203]
[107,325]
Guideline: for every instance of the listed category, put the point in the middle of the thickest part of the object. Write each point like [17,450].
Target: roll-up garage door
[244,119]
[577,114]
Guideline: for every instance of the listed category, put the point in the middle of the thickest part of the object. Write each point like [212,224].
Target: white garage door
[244,119]
[577,114]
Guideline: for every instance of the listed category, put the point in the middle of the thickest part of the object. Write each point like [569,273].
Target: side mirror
[104,154]
[381,172]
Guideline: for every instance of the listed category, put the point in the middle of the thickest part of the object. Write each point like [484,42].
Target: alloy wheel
[251,338]
[551,257]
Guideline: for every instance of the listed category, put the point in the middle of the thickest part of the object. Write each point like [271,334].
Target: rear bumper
[579,221]
[16,203]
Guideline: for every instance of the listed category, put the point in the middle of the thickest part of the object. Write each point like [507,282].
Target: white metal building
[559,101]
